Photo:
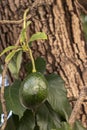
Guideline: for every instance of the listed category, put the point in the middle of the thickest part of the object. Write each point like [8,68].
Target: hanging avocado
[33,90]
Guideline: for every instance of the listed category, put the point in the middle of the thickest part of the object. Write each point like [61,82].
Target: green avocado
[33,90]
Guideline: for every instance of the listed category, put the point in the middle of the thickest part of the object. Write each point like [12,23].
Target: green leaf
[46,118]
[43,117]
[15,64]
[28,23]
[78,126]
[22,37]
[19,60]
[27,121]
[40,64]
[12,122]
[13,68]
[12,99]
[8,49]
[57,96]
[23,32]
[65,126]
[37,36]
[1,68]
[11,54]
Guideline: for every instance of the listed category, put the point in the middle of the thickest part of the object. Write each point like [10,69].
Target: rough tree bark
[65,49]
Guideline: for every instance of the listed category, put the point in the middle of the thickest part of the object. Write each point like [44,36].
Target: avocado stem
[32,60]
[25,13]
[27,45]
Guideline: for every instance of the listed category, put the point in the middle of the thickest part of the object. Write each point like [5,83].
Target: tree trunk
[65,49]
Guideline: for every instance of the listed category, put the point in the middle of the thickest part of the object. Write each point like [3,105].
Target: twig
[11,21]
[73,99]
[14,21]
[3,102]
[77,106]
[37,4]
[81,7]
[2,97]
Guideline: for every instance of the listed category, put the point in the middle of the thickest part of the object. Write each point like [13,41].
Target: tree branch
[3,102]
[2,96]
[77,106]
[36,4]
[81,7]
[14,21]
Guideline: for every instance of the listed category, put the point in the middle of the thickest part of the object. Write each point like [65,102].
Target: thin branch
[2,96]
[73,99]
[36,4]
[3,102]
[77,106]
[81,7]
[14,21]
[11,21]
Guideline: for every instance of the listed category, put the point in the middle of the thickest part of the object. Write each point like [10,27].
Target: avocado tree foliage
[51,114]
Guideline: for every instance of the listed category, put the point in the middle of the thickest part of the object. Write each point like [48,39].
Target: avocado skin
[33,90]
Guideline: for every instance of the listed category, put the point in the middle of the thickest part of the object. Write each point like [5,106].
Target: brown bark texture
[64,51]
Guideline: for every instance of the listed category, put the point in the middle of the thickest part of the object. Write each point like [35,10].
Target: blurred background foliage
[84,23]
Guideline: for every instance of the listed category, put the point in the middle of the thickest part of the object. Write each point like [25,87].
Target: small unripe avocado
[33,90]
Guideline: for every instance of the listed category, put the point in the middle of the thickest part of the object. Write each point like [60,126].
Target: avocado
[33,90]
